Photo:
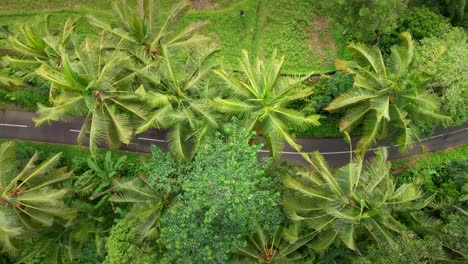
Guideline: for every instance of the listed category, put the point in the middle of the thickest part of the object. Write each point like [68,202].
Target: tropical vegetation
[230,85]
[390,96]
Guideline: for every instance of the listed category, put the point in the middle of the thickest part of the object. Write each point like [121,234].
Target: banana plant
[30,198]
[97,181]
[357,199]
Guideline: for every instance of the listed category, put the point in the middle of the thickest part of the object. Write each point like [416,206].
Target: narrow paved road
[19,125]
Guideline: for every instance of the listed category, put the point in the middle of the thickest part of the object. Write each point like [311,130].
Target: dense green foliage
[123,245]
[364,19]
[420,22]
[211,199]
[223,196]
[409,249]
[449,78]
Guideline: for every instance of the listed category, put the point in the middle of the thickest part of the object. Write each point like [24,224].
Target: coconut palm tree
[179,90]
[93,84]
[35,44]
[285,246]
[386,94]
[148,204]
[29,197]
[260,96]
[143,32]
[359,199]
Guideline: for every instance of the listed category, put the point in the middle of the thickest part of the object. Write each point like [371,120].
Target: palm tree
[357,199]
[386,94]
[64,241]
[95,85]
[148,204]
[260,96]
[29,199]
[36,44]
[285,246]
[179,90]
[142,33]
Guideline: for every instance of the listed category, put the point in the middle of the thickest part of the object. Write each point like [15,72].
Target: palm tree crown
[97,86]
[29,198]
[359,198]
[36,44]
[260,95]
[143,33]
[179,91]
[393,93]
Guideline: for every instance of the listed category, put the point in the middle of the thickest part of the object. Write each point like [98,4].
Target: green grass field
[308,42]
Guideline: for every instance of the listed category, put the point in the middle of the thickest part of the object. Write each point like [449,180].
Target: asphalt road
[19,125]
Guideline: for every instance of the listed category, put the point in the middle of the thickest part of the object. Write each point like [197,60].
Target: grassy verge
[428,164]
[73,157]
[23,99]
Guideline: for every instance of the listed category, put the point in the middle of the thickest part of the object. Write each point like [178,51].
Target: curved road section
[19,125]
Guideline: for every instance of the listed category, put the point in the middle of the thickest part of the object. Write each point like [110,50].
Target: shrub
[25,98]
[409,249]
[364,19]
[420,22]
[324,92]
[123,247]
[456,234]
[450,71]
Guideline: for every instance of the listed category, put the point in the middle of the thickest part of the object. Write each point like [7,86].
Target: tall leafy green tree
[95,85]
[179,91]
[387,96]
[359,199]
[30,199]
[222,198]
[260,96]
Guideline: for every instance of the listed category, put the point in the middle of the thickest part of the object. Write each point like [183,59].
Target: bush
[25,98]
[449,71]
[364,19]
[409,249]
[456,235]
[420,22]
[123,246]
[324,92]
